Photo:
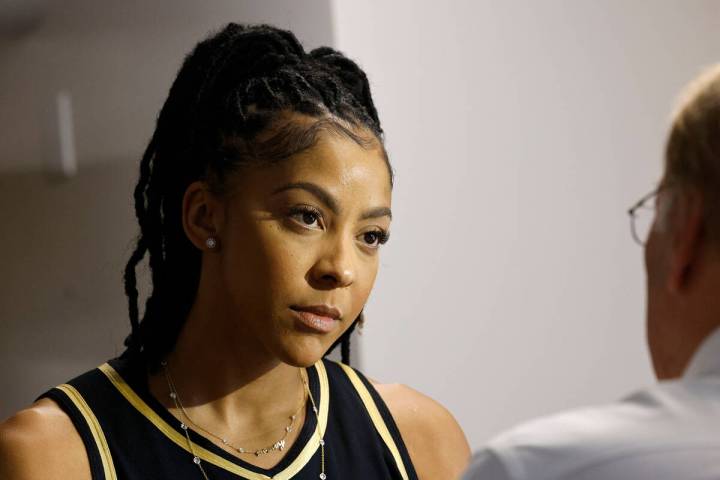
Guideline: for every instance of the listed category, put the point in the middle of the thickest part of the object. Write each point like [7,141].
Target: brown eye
[374,238]
[307,217]
[371,238]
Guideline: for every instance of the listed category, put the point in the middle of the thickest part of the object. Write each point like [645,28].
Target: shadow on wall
[61,289]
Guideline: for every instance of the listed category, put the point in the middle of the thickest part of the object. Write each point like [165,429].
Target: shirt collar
[706,360]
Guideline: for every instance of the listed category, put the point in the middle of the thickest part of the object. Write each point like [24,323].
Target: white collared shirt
[669,431]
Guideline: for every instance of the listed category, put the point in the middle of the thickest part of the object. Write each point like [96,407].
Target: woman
[263,199]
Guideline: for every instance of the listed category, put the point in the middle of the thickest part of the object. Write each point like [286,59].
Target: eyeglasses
[642,216]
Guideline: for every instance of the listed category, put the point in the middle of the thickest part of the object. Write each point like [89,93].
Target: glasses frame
[632,212]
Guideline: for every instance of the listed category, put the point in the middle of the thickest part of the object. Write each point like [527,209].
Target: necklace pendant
[323,476]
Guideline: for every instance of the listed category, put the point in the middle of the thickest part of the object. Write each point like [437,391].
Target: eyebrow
[325,197]
[376,213]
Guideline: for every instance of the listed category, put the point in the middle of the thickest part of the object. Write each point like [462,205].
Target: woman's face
[299,246]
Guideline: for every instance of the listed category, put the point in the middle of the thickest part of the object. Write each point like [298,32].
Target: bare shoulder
[436,443]
[40,442]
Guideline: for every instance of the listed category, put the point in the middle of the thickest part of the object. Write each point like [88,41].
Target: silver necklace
[279,445]
[276,446]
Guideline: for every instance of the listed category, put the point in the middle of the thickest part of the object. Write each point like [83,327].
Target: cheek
[651,245]
[657,261]
[262,264]
[287,264]
[651,261]
[364,284]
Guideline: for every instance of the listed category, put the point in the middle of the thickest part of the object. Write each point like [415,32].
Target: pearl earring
[211,243]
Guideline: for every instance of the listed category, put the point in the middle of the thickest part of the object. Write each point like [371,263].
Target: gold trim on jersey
[179,439]
[95,429]
[376,417]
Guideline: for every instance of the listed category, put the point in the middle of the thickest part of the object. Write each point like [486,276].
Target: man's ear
[687,239]
[202,214]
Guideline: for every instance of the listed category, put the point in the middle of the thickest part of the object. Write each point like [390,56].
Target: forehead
[351,172]
[341,160]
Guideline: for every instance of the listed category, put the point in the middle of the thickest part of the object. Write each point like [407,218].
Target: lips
[319,318]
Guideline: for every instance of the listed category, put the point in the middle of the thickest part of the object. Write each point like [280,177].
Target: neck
[685,321]
[220,368]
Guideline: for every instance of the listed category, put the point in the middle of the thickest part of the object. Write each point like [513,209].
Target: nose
[335,266]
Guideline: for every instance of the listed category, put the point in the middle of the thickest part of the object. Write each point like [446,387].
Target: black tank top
[128,434]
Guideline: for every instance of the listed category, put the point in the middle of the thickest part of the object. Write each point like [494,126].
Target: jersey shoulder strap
[69,398]
[379,414]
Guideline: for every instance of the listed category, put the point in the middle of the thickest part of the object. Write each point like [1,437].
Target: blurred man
[672,430]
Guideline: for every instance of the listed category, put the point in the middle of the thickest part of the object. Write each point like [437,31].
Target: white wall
[520,131]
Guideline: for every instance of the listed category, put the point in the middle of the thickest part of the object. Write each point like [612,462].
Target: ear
[202,214]
[687,240]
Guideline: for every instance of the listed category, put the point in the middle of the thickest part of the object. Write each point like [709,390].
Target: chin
[303,350]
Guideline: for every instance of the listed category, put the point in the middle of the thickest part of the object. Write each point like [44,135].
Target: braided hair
[233,86]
